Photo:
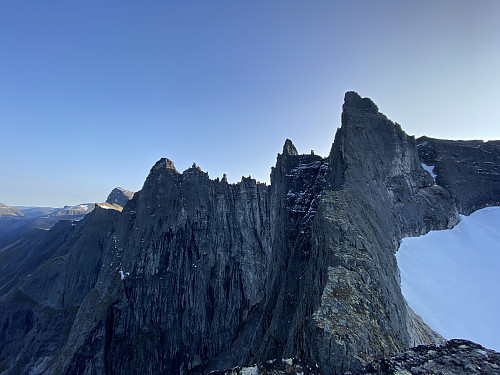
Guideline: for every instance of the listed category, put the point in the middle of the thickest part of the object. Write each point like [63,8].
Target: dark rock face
[195,275]
[456,357]
[377,193]
[469,170]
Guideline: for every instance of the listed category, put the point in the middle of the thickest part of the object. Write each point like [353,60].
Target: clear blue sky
[92,93]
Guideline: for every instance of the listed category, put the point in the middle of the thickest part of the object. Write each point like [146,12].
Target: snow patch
[250,371]
[288,361]
[430,169]
[450,278]
[78,206]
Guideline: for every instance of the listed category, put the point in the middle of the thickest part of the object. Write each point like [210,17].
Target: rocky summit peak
[162,164]
[354,102]
[289,148]
[119,196]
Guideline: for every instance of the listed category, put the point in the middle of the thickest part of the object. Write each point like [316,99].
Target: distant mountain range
[25,230]
[196,275]
[9,211]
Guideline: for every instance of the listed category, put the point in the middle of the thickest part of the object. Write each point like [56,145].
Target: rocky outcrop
[456,357]
[469,170]
[195,274]
[283,366]
[119,196]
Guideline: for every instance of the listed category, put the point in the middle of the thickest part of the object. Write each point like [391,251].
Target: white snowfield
[451,278]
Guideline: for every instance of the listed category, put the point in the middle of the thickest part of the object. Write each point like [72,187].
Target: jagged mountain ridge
[197,274]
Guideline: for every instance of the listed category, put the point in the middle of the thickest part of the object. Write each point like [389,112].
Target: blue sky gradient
[93,93]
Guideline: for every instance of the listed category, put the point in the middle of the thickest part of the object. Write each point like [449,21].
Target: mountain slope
[9,211]
[197,274]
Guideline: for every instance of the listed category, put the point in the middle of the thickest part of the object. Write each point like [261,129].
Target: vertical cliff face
[377,193]
[185,268]
[197,274]
[469,170]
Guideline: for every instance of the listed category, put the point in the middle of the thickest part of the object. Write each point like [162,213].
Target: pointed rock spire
[354,102]
[163,163]
[289,148]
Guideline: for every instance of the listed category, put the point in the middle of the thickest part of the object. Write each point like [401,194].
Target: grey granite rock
[456,357]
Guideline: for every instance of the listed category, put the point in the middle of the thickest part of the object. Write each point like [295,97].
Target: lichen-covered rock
[292,366]
[456,357]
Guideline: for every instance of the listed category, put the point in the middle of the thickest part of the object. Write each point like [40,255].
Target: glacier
[451,278]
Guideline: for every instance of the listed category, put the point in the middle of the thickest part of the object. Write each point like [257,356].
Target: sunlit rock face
[196,274]
[119,196]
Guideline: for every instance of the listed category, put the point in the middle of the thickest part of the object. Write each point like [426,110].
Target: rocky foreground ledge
[274,367]
[455,357]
